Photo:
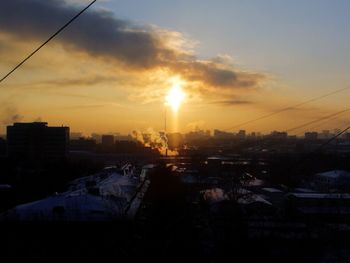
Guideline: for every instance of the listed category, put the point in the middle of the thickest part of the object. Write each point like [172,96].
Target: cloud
[232,102]
[139,48]
[9,114]
[96,32]
[86,81]
[90,106]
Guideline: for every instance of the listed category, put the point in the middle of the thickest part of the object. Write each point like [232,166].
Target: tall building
[278,135]
[311,136]
[241,134]
[107,140]
[197,135]
[97,137]
[3,148]
[223,135]
[347,136]
[325,134]
[82,144]
[37,141]
[75,135]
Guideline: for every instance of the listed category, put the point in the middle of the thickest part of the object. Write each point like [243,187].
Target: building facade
[36,140]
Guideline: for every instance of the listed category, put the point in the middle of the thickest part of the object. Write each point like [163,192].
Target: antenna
[165,138]
[165,119]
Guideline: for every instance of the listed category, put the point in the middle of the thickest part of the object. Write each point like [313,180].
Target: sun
[175,95]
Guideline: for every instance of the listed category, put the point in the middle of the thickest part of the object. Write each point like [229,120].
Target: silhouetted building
[97,137]
[241,134]
[311,136]
[252,135]
[75,135]
[222,135]
[82,144]
[3,147]
[175,140]
[119,137]
[279,135]
[128,147]
[325,134]
[107,140]
[347,136]
[197,135]
[37,141]
[332,180]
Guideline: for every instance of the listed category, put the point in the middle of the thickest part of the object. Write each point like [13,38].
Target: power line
[321,124]
[318,120]
[288,108]
[334,137]
[331,116]
[293,167]
[47,41]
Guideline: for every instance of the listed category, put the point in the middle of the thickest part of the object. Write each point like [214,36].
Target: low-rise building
[334,180]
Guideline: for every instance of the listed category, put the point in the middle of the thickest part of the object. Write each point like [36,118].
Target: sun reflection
[175,95]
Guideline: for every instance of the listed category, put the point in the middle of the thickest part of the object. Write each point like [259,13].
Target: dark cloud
[99,34]
[88,81]
[217,75]
[96,32]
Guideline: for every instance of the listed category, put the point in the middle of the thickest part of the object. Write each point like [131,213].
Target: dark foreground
[162,239]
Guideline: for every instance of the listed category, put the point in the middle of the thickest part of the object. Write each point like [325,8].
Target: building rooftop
[335,174]
[320,195]
[104,196]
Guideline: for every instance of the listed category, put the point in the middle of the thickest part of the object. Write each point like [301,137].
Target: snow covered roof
[103,196]
[254,198]
[68,208]
[320,195]
[272,190]
[335,174]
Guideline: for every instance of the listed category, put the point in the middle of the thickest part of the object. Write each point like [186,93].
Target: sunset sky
[113,68]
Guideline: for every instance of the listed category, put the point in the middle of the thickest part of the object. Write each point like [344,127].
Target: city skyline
[132,135]
[175,131]
[234,63]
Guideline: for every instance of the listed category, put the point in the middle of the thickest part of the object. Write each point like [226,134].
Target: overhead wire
[47,41]
[330,116]
[291,107]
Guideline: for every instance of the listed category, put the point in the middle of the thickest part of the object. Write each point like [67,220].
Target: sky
[112,69]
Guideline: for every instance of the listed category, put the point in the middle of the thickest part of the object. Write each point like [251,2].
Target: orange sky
[70,83]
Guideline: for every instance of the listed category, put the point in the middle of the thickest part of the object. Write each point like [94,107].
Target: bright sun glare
[175,95]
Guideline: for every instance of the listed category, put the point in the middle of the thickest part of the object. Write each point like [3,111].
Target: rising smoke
[155,140]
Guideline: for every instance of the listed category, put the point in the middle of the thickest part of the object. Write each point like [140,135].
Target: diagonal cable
[47,41]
